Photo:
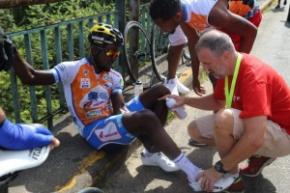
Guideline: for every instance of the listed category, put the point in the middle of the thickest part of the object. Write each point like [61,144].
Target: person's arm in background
[192,40]
[223,19]
[29,75]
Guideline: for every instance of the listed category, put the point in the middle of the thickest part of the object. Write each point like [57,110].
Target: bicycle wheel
[159,51]
[91,190]
[138,54]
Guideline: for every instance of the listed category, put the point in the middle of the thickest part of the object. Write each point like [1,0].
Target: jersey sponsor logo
[108,133]
[85,83]
[35,153]
[93,113]
[107,77]
[96,98]
[86,72]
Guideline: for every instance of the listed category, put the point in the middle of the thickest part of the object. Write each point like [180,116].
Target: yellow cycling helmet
[104,34]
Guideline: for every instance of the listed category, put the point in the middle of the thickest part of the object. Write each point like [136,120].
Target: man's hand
[208,178]
[198,89]
[179,100]
[7,50]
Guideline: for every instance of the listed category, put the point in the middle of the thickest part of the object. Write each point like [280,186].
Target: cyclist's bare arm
[29,75]
[222,18]
[118,103]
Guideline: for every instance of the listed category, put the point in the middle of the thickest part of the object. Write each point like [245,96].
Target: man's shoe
[195,143]
[222,184]
[256,165]
[237,187]
[277,7]
[158,159]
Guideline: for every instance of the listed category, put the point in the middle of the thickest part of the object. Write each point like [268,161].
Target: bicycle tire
[186,58]
[138,54]
[159,51]
[91,190]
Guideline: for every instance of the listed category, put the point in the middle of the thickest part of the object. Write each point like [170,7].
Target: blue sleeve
[23,136]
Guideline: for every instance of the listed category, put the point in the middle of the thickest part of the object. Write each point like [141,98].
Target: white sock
[172,86]
[187,167]
[146,153]
[172,80]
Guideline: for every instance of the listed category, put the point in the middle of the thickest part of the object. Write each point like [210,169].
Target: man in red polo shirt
[253,108]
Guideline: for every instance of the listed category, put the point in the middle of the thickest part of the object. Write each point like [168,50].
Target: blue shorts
[23,136]
[111,130]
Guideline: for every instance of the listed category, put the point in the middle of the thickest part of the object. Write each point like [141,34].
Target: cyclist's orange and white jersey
[87,93]
[196,14]
[240,7]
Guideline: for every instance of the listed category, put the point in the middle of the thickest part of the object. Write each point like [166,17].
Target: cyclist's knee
[148,120]
[160,89]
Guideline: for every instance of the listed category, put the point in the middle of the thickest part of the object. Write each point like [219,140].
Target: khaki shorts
[277,140]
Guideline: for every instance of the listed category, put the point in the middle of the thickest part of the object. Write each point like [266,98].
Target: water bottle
[138,88]
[179,111]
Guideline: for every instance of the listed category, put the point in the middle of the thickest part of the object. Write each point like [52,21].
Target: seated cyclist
[93,92]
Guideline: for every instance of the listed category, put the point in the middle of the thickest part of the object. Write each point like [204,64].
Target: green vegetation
[40,15]
[23,18]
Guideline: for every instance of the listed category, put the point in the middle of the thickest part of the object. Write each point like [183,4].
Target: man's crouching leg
[223,131]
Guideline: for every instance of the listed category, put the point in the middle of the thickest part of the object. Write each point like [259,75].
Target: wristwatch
[219,167]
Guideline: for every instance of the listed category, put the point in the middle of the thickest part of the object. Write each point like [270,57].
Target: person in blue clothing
[24,136]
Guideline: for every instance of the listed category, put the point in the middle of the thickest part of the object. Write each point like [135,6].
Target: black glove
[7,50]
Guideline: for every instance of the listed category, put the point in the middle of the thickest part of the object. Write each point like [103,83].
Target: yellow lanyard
[229,94]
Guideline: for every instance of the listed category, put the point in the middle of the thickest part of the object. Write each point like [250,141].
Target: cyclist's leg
[150,97]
